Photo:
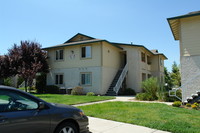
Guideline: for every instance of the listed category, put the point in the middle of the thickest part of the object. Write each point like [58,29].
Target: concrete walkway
[123,99]
[97,125]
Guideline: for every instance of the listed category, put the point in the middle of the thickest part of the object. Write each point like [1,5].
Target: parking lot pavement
[97,125]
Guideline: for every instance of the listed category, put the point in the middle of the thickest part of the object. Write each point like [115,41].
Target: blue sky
[51,22]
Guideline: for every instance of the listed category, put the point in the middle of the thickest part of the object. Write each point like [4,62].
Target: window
[86,79]
[143,57]
[148,60]
[86,52]
[14,101]
[149,76]
[59,54]
[59,79]
[143,76]
[161,62]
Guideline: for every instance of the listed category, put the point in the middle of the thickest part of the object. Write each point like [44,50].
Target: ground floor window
[149,76]
[86,78]
[59,79]
[143,76]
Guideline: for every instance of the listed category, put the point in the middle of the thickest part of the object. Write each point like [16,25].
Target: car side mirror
[41,105]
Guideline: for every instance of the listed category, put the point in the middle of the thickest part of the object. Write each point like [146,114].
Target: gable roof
[174,23]
[76,40]
[79,35]
[72,41]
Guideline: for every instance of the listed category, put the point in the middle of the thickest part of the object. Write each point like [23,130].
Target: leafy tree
[175,75]
[27,60]
[5,69]
[168,79]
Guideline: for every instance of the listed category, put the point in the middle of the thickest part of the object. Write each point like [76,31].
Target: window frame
[58,81]
[90,79]
[58,55]
[143,57]
[84,55]
[144,76]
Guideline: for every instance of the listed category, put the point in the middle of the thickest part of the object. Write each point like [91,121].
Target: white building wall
[190,75]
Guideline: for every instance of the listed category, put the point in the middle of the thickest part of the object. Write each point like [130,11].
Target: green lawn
[153,115]
[71,99]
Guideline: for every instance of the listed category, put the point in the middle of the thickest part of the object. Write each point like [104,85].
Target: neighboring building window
[86,52]
[86,78]
[143,76]
[161,62]
[143,57]
[59,54]
[148,60]
[59,79]
[149,76]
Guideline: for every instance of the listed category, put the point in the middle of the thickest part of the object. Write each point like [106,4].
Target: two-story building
[186,29]
[101,66]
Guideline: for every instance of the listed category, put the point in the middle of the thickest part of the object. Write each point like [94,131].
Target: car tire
[67,127]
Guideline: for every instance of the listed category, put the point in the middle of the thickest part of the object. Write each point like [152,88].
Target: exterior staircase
[117,82]
[194,98]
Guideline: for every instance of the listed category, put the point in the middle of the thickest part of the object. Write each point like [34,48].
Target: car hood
[64,106]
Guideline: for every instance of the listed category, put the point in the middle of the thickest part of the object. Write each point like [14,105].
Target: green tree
[168,79]
[175,75]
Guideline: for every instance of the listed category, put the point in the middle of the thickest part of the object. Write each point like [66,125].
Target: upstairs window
[59,54]
[161,62]
[148,60]
[86,52]
[59,79]
[143,59]
[86,78]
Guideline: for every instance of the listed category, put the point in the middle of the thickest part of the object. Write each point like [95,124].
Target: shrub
[128,91]
[188,105]
[77,90]
[144,96]
[167,98]
[52,89]
[7,81]
[41,83]
[176,104]
[151,87]
[90,94]
[194,106]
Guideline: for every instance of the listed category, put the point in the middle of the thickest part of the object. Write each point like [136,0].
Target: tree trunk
[25,84]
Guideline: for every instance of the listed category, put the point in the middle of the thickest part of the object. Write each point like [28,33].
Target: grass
[71,99]
[153,115]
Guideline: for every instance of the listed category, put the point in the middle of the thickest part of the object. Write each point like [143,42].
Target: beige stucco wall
[72,78]
[190,36]
[111,63]
[133,60]
[103,65]
[71,61]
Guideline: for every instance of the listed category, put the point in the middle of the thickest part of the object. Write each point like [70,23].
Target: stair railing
[121,79]
[174,90]
[172,93]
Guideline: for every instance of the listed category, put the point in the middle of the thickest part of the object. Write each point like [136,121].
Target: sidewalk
[97,125]
[123,99]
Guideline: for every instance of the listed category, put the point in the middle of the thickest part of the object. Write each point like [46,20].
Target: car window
[15,101]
